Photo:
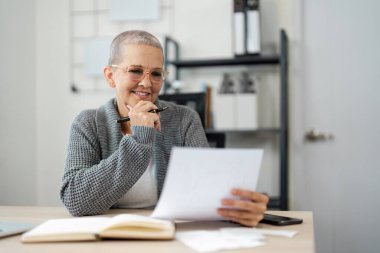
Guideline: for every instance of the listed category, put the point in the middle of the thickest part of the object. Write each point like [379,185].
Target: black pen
[124,119]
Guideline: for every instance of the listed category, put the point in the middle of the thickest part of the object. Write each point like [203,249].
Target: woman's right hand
[140,116]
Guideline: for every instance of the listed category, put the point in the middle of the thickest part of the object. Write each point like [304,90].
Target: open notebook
[122,226]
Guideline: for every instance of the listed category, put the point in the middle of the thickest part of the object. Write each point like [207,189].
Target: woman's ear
[108,74]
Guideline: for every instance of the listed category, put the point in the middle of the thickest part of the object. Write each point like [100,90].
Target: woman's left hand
[247,210]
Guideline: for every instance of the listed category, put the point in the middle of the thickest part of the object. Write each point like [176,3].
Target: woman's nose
[145,81]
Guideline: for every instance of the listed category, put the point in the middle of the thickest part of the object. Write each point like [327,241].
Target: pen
[124,119]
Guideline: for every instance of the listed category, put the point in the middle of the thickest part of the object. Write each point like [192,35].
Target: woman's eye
[156,73]
[136,71]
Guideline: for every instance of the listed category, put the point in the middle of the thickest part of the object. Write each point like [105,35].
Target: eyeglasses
[136,73]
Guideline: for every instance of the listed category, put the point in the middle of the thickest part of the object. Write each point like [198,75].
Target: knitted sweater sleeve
[90,184]
[192,130]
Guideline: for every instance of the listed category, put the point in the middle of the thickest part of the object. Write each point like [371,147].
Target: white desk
[302,242]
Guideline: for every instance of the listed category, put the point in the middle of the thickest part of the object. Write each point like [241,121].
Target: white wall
[17,103]
[52,97]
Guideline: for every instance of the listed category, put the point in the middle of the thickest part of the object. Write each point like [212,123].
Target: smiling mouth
[141,93]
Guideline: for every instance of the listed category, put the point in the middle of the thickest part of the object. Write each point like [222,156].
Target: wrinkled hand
[248,209]
[140,116]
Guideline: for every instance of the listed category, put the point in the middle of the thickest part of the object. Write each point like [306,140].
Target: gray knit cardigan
[102,164]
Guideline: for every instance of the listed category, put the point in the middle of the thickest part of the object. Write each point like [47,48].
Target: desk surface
[302,242]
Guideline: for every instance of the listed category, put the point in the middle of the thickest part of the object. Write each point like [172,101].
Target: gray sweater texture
[102,164]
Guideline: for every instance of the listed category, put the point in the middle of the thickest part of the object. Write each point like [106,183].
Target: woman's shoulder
[85,120]
[85,116]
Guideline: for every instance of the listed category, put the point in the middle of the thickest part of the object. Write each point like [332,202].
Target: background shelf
[276,202]
[246,60]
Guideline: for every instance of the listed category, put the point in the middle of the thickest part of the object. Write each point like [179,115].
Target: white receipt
[198,178]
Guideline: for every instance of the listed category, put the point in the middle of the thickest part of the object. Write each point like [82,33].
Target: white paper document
[229,238]
[210,241]
[199,178]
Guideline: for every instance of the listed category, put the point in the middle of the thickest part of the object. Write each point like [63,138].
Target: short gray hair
[131,37]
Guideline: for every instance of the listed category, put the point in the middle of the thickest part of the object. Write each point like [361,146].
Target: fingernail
[226,201]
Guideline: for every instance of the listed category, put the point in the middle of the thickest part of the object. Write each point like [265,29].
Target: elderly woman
[124,165]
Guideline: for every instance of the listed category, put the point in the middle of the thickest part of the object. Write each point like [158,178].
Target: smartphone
[280,220]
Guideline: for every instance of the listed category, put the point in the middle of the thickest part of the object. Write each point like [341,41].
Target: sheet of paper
[210,241]
[229,238]
[260,231]
[198,178]
[132,10]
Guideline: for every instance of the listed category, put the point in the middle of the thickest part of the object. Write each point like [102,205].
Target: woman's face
[130,91]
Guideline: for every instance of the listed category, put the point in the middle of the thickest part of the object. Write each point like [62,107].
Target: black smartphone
[280,220]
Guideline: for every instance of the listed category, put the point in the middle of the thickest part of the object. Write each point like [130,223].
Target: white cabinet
[235,112]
